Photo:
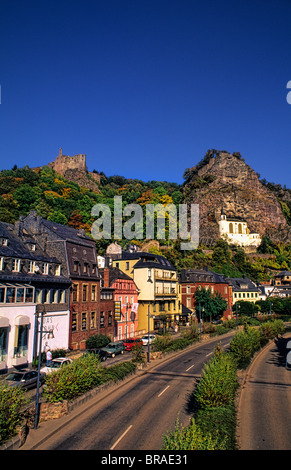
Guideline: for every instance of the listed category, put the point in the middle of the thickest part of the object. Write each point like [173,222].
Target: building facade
[126,299]
[157,282]
[192,279]
[235,231]
[77,254]
[30,281]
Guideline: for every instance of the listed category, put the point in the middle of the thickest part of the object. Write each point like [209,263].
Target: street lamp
[200,320]
[40,308]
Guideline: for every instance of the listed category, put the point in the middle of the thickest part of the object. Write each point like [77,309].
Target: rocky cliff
[224,181]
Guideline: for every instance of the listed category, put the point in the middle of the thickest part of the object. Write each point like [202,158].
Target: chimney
[106,277]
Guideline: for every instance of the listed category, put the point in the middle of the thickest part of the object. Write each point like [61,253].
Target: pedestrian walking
[48,357]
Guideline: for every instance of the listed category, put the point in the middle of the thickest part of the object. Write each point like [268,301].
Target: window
[127,265]
[93,320]
[2,295]
[46,268]
[38,296]
[93,293]
[21,335]
[10,294]
[16,265]
[188,289]
[84,298]
[75,292]
[76,266]
[74,322]
[20,294]
[85,268]
[47,297]
[188,302]
[1,264]
[58,270]
[84,321]
[109,318]
[31,266]
[102,319]
[29,294]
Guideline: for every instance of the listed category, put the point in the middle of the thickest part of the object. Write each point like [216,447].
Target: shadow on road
[280,352]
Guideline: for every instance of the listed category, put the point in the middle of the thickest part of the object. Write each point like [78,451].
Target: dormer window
[4,241]
[31,267]
[33,246]
[46,268]
[58,270]
[16,265]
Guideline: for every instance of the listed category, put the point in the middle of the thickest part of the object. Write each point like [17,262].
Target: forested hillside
[65,202]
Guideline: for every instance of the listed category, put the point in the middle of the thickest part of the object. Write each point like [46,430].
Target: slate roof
[243,284]
[202,275]
[148,260]
[17,247]
[68,233]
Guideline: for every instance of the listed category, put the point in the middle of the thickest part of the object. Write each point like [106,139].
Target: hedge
[12,402]
[81,376]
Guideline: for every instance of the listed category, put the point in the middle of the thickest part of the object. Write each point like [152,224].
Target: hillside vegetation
[65,202]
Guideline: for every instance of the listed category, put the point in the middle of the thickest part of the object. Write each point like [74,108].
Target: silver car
[25,379]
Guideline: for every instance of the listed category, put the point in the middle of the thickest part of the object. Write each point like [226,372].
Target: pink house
[126,302]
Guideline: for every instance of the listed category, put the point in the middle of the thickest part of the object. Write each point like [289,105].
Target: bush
[81,376]
[138,354]
[12,402]
[191,438]
[97,341]
[220,422]
[218,383]
[244,344]
[271,329]
[162,343]
[191,333]
[74,379]
[119,371]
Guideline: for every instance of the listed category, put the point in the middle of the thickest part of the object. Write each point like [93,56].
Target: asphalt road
[265,401]
[135,415]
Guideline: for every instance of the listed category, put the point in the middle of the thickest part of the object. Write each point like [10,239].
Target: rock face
[224,181]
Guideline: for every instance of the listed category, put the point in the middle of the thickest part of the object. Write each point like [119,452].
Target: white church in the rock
[235,231]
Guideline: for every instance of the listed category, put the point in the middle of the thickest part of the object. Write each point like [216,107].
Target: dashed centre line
[164,391]
[121,437]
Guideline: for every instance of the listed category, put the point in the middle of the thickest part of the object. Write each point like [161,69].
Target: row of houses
[53,270]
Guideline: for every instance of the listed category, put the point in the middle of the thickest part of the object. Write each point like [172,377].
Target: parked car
[114,348]
[130,343]
[99,352]
[148,339]
[24,378]
[56,364]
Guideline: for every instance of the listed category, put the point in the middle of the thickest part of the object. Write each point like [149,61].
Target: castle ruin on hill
[75,169]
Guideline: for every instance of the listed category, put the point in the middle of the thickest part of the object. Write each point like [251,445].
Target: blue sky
[145,87]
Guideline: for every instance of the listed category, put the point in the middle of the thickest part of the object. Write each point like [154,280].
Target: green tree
[212,305]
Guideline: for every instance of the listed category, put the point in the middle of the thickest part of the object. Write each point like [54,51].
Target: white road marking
[209,354]
[163,391]
[121,437]
[189,368]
